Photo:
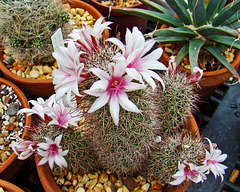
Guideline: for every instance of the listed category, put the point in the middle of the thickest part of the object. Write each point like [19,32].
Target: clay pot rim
[25,104]
[205,73]
[9,186]
[49,183]
[114,7]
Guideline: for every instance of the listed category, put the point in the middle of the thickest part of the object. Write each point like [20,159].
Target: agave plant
[199,24]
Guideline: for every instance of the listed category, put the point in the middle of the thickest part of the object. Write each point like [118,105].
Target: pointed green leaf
[156,6]
[182,53]
[226,13]
[199,13]
[225,40]
[218,55]
[232,19]
[212,9]
[194,49]
[209,31]
[235,25]
[153,16]
[170,39]
[191,4]
[168,32]
[180,8]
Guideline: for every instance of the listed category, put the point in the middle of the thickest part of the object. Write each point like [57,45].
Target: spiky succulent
[199,25]
[174,148]
[26,27]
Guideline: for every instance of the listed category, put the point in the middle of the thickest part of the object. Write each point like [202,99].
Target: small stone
[34,73]
[9,60]
[47,69]
[67,183]
[85,179]
[60,181]
[4,134]
[6,100]
[118,183]
[145,187]
[69,176]
[108,189]
[65,189]
[157,186]
[103,178]
[79,178]
[125,189]
[97,189]
[120,189]
[12,119]
[130,183]
[1,141]
[12,109]
[3,156]
[40,69]
[93,176]
[74,182]
[80,189]
[9,127]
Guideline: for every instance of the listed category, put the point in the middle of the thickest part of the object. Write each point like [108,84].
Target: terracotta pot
[10,168]
[50,185]
[121,21]
[9,186]
[211,79]
[45,88]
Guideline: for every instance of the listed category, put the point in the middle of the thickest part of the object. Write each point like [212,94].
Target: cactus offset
[174,148]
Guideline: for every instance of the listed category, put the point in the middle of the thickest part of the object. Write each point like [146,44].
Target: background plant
[26,27]
[198,25]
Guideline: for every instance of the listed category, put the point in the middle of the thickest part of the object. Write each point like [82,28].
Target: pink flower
[138,63]
[70,73]
[39,107]
[52,152]
[26,148]
[188,171]
[213,161]
[86,38]
[196,76]
[112,89]
[62,116]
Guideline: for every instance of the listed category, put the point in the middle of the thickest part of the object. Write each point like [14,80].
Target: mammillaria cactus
[27,26]
[111,114]
[200,26]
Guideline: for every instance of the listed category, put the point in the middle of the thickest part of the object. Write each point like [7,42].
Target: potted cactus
[205,33]
[113,117]
[26,30]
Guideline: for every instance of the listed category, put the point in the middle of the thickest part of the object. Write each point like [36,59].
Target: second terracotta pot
[121,21]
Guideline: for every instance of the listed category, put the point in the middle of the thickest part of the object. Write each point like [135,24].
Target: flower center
[189,172]
[53,149]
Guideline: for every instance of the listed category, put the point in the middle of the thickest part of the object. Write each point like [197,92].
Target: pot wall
[10,168]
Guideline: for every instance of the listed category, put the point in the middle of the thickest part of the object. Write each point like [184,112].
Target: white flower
[86,38]
[188,171]
[213,161]
[26,148]
[52,152]
[62,116]
[39,107]
[196,76]
[112,89]
[138,63]
[70,73]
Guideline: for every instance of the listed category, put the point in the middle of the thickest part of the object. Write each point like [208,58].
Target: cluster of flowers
[212,162]
[128,70]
